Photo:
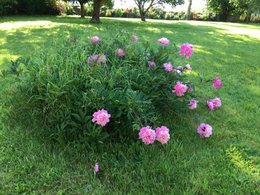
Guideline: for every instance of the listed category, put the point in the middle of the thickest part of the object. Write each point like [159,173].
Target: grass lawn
[226,163]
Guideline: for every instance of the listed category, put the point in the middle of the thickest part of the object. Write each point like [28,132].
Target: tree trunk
[248,17]
[96,11]
[189,10]
[82,10]
[142,16]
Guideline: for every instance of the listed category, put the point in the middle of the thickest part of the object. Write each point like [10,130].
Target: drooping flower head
[92,59]
[101,117]
[180,88]
[151,64]
[162,134]
[100,59]
[134,38]
[204,130]
[168,67]
[164,41]
[147,135]
[96,168]
[216,83]
[188,67]
[95,40]
[216,102]
[120,53]
[186,50]
[193,104]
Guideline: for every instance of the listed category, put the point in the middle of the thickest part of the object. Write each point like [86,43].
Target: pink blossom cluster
[217,83]
[95,40]
[134,38]
[148,135]
[180,89]
[101,117]
[214,103]
[188,67]
[168,67]
[100,59]
[186,50]
[151,64]
[164,41]
[120,53]
[204,130]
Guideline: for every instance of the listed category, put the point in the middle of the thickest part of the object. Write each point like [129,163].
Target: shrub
[126,84]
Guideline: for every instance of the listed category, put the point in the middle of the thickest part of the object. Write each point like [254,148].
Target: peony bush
[115,88]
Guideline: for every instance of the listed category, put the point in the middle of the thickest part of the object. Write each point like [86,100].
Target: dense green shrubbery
[62,89]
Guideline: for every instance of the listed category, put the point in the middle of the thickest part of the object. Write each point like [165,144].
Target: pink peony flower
[186,50]
[179,88]
[163,41]
[205,130]
[95,40]
[101,117]
[216,102]
[188,67]
[168,67]
[217,83]
[92,59]
[96,168]
[210,105]
[147,135]
[193,104]
[162,134]
[120,53]
[134,38]
[151,64]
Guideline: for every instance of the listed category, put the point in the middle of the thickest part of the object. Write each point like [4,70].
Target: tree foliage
[145,5]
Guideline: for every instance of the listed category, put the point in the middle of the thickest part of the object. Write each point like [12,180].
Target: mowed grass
[226,163]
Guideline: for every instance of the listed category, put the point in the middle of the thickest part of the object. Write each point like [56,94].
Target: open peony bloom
[186,50]
[147,135]
[188,67]
[216,102]
[96,168]
[162,134]
[134,38]
[180,89]
[193,104]
[95,40]
[204,130]
[164,41]
[101,117]
[168,67]
[120,53]
[216,83]
[210,105]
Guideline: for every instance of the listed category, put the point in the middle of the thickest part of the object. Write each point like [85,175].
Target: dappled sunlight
[244,166]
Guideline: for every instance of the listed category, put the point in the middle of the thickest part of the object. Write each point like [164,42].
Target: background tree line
[221,10]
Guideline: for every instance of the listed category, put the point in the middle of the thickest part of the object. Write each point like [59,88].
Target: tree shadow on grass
[187,162]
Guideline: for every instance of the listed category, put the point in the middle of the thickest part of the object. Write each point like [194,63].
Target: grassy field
[227,163]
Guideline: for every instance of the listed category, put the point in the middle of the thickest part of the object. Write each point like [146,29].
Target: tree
[81,3]
[189,10]
[246,7]
[222,8]
[145,5]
